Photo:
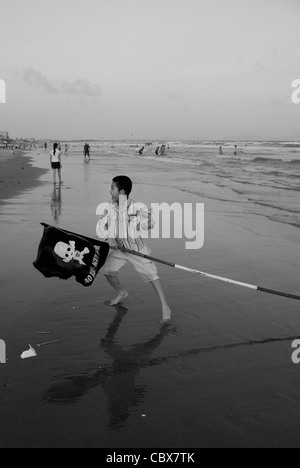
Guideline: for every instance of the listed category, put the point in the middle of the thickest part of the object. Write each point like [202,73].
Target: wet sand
[220,375]
[16,174]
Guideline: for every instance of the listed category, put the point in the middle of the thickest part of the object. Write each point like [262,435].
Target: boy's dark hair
[123,183]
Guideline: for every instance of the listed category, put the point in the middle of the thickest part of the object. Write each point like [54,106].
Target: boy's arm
[102,228]
[147,220]
[103,224]
[141,217]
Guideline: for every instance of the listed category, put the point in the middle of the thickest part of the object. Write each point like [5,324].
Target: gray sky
[175,69]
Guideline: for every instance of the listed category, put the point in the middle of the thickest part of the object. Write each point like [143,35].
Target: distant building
[4,136]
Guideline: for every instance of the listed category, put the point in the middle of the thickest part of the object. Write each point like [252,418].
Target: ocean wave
[263,176]
[290,145]
[264,160]
[267,160]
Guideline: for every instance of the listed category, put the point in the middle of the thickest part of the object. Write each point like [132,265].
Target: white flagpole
[208,275]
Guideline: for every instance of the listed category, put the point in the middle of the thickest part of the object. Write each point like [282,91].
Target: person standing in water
[55,159]
[86,151]
[221,151]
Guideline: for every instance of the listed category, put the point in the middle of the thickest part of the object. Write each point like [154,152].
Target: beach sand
[16,174]
[220,375]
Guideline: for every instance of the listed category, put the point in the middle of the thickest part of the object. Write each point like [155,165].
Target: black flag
[63,254]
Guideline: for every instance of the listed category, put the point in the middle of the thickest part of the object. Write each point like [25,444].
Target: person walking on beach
[55,159]
[66,150]
[235,150]
[221,151]
[86,151]
[128,235]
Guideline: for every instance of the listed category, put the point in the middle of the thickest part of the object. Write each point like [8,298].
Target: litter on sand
[29,354]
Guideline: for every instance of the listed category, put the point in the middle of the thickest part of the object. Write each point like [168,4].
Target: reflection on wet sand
[87,163]
[117,380]
[56,204]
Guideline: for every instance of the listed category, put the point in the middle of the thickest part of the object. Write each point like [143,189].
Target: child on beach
[125,208]
[55,159]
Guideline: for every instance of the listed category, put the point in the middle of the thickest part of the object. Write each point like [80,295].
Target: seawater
[265,175]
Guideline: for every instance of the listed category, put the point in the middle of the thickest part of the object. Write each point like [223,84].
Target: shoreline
[17,174]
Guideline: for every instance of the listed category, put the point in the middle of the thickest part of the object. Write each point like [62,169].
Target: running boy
[123,214]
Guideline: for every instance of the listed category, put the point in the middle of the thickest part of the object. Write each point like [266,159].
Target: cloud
[175,96]
[35,79]
[276,104]
[79,88]
[259,66]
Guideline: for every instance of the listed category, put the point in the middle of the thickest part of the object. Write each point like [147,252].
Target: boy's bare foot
[166,315]
[120,297]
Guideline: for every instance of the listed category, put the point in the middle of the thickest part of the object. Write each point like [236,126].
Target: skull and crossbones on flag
[64,254]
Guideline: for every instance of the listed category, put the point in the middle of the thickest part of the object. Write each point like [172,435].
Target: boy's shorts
[117,259]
